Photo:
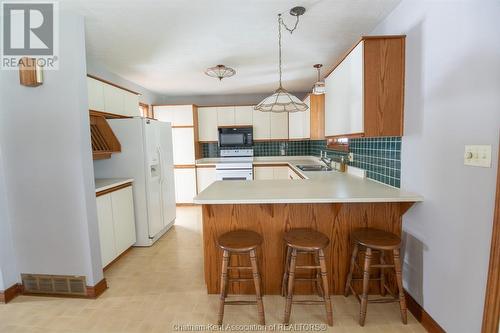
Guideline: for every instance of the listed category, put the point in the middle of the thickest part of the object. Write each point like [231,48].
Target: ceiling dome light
[220,72]
[319,87]
[282,100]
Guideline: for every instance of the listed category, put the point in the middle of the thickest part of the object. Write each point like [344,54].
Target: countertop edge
[118,182]
[307,201]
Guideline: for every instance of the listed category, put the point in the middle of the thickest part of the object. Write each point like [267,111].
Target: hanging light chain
[294,27]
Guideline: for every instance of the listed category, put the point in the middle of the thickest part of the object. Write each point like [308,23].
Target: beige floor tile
[152,289]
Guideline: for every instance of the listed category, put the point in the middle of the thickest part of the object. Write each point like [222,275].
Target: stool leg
[284,283]
[289,295]
[399,280]
[382,274]
[223,285]
[256,281]
[366,281]
[326,293]
[319,282]
[351,270]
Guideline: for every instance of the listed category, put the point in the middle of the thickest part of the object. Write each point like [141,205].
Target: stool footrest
[307,267]
[309,302]
[240,279]
[240,302]
[239,267]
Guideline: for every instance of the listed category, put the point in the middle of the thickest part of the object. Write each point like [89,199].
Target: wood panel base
[337,221]
[12,292]
[422,316]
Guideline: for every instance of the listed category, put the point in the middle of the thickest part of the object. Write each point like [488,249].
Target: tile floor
[153,289]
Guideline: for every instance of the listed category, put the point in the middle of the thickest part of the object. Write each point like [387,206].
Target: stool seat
[376,239]
[306,239]
[239,241]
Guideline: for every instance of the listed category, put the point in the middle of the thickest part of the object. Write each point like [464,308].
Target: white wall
[45,141]
[213,100]
[8,268]
[452,99]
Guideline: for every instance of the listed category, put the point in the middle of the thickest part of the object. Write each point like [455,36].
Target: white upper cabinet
[344,96]
[95,94]
[177,115]
[131,104]
[113,100]
[225,116]
[279,125]
[261,125]
[243,115]
[207,124]
[299,123]
[183,146]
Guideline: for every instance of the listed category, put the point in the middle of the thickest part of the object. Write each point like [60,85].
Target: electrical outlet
[351,157]
[478,155]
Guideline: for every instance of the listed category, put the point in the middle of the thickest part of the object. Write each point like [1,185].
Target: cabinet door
[183,115]
[261,173]
[106,229]
[164,113]
[299,123]
[183,141]
[280,172]
[243,115]
[185,185]
[205,177]
[279,125]
[114,100]
[225,116]
[344,96]
[131,104]
[95,89]
[261,125]
[123,219]
[207,124]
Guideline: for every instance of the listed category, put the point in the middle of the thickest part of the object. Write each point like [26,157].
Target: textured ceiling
[165,45]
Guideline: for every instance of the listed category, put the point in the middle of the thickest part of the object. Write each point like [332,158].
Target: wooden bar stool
[380,241]
[306,241]
[240,242]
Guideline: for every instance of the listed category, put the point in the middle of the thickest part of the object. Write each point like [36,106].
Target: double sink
[314,167]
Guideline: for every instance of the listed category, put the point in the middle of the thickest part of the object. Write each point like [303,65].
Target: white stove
[235,164]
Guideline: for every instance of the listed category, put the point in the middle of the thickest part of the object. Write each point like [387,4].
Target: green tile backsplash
[380,157]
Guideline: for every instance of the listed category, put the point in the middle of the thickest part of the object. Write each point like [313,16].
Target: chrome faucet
[325,159]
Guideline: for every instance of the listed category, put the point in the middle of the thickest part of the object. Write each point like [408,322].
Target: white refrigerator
[147,157]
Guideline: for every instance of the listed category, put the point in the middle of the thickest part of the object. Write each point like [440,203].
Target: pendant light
[282,100]
[220,72]
[319,86]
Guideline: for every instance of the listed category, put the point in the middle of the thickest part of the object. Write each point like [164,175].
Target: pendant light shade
[282,100]
[220,72]
[319,87]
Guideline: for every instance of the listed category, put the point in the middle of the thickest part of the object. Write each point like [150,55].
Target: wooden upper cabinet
[317,117]
[365,90]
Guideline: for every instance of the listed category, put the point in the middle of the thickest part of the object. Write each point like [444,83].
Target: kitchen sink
[314,167]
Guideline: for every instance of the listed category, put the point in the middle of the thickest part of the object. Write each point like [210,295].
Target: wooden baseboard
[98,289]
[422,316]
[117,258]
[10,293]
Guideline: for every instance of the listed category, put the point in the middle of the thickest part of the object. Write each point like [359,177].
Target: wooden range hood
[104,141]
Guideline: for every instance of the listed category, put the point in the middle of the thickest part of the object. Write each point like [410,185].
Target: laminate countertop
[103,184]
[316,187]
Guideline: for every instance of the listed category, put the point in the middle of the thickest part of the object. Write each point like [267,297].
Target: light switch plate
[478,155]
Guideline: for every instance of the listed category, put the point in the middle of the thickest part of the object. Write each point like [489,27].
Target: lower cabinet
[205,177]
[116,221]
[270,172]
[185,185]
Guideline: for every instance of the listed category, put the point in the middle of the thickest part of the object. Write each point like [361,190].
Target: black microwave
[236,136]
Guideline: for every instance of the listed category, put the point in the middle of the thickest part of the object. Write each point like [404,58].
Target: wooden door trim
[491,314]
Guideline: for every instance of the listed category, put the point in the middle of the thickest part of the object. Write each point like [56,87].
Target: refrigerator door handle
[160,162]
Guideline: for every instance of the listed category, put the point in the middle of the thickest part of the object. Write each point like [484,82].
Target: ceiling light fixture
[282,100]
[220,72]
[319,86]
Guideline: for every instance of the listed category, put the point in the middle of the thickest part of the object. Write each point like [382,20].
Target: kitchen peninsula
[332,202]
